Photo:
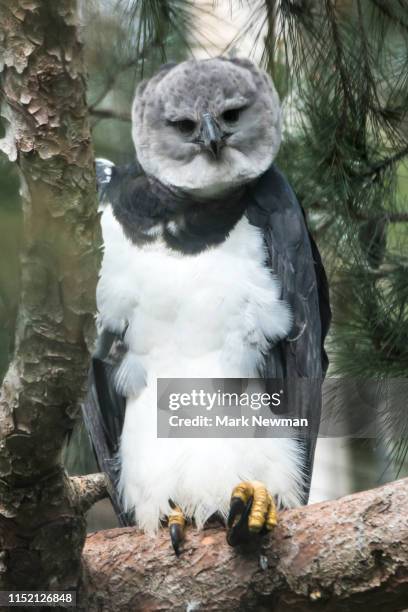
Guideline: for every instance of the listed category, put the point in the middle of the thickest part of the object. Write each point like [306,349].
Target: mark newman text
[241,421]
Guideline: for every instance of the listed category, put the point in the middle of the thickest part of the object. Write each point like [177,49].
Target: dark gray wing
[300,360]
[104,414]
[104,408]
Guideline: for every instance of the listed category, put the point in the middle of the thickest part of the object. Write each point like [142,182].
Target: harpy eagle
[208,271]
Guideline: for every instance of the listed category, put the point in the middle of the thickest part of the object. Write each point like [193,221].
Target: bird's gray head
[207,126]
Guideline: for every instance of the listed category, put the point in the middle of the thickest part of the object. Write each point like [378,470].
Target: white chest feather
[207,315]
[217,310]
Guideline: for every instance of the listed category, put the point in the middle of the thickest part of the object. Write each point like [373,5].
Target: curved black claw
[238,532]
[177,537]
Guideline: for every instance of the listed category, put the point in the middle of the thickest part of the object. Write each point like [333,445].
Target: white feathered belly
[207,315]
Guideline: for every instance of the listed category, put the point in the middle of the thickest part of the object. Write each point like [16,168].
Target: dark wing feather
[294,258]
[104,408]
[104,414]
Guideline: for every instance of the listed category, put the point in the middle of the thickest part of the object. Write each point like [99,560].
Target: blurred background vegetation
[341,68]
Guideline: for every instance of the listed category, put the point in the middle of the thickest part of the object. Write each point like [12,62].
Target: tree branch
[110,113]
[90,489]
[333,556]
[383,164]
[389,217]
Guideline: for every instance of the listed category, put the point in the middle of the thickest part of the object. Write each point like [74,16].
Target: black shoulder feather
[294,258]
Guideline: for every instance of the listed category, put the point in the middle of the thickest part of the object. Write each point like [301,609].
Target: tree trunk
[345,555]
[42,525]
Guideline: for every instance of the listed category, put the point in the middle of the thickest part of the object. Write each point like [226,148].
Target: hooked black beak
[211,137]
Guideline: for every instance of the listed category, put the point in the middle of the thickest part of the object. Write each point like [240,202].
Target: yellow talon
[177,523]
[243,490]
[176,517]
[263,511]
[272,514]
[257,516]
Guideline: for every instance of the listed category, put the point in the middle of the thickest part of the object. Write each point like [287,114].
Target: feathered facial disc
[207,126]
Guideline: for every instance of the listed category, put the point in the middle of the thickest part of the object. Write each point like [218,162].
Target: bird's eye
[232,115]
[185,126]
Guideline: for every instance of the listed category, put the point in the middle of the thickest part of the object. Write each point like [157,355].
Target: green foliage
[348,66]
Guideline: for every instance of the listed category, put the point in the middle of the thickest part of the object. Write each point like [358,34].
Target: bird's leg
[177,523]
[252,510]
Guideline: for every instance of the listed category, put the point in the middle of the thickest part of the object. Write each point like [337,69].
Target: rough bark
[42,526]
[345,555]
